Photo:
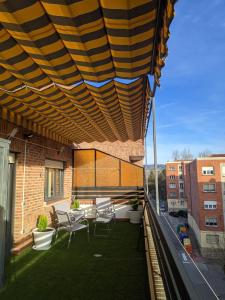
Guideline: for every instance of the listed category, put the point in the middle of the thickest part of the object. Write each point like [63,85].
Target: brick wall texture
[29,180]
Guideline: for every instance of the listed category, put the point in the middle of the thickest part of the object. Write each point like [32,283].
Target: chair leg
[88,236]
[70,239]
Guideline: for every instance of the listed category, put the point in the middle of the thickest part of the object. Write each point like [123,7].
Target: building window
[172,177]
[212,238]
[209,187]
[182,202]
[181,186]
[173,195]
[54,180]
[223,171]
[207,171]
[210,204]
[181,194]
[181,177]
[172,169]
[211,221]
[180,168]
[172,185]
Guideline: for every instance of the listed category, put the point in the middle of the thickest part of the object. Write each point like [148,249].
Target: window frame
[209,191]
[172,185]
[208,174]
[55,195]
[211,225]
[208,203]
[216,236]
[173,177]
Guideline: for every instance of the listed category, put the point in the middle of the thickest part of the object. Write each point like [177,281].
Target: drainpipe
[155,155]
[23,191]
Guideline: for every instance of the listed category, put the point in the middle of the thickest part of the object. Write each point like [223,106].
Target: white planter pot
[43,239]
[135,216]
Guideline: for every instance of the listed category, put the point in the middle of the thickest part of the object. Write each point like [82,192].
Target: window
[181,194]
[209,187]
[172,169]
[182,202]
[212,238]
[223,171]
[207,170]
[172,185]
[211,221]
[181,186]
[181,177]
[210,204]
[54,179]
[180,168]
[172,176]
[173,195]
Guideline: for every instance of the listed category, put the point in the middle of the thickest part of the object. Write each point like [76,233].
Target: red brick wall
[168,180]
[38,149]
[118,149]
[204,196]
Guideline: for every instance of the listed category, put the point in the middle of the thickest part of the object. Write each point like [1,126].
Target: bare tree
[205,153]
[175,155]
[186,154]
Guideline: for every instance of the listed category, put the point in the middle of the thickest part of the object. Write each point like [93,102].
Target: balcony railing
[181,277]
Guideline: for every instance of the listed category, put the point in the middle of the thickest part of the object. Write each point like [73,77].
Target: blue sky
[190,103]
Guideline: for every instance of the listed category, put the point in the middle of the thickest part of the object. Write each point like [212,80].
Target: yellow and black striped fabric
[50,48]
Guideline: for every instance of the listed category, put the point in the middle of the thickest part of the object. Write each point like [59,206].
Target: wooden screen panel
[131,175]
[107,170]
[84,168]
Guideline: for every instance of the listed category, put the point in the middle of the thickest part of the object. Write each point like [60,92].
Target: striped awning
[54,54]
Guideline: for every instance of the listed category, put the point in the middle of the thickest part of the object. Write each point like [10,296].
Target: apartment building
[175,185]
[205,193]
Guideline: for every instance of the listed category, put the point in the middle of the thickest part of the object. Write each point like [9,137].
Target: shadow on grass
[75,273]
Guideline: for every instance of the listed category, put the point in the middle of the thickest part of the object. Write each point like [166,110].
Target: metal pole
[155,156]
[146,162]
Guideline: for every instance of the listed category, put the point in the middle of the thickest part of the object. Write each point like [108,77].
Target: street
[211,269]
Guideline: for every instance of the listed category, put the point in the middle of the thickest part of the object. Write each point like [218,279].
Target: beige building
[175,185]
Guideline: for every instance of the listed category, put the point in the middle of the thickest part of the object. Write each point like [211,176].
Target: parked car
[174,214]
[182,213]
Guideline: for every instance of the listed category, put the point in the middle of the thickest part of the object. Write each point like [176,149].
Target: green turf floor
[75,273]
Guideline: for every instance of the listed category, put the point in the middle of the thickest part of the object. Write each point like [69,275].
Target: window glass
[207,170]
[54,181]
[209,187]
[223,170]
[212,221]
[210,204]
[212,238]
[172,185]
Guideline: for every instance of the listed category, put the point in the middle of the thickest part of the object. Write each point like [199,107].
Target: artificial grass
[74,273]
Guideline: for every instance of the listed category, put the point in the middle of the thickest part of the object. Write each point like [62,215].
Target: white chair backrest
[63,206]
[62,217]
[103,203]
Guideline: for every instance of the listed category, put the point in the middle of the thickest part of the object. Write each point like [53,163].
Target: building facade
[206,203]
[42,172]
[176,185]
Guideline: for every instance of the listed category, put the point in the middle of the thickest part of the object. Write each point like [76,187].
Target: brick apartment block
[176,185]
[204,196]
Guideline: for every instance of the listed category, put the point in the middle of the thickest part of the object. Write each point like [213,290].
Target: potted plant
[42,234]
[135,214]
[76,204]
